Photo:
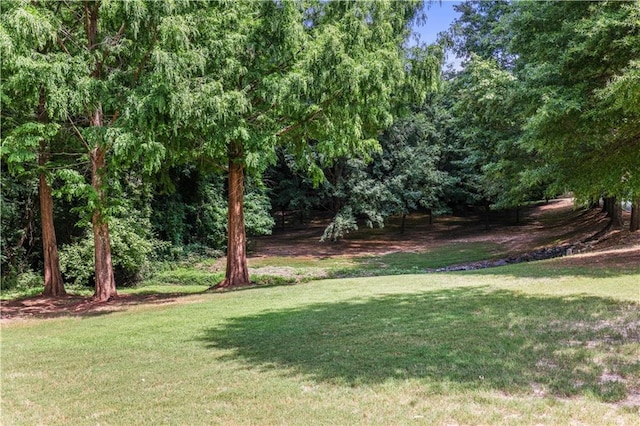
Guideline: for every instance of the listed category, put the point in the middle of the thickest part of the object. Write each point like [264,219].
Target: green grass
[279,270]
[499,346]
[307,268]
[416,262]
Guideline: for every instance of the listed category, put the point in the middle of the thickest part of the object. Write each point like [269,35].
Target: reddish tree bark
[237,273]
[105,284]
[53,284]
[635,216]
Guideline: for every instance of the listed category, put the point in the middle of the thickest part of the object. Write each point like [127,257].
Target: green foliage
[316,77]
[572,58]
[292,189]
[132,248]
[494,168]
[23,283]
[406,175]
[257,208]
[342,223]
[194,213]
[482,29]
[410,165]
[18,239]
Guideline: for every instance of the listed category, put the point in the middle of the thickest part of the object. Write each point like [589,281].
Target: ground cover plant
[495,346]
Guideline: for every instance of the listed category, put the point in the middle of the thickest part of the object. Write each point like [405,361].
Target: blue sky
[440,15]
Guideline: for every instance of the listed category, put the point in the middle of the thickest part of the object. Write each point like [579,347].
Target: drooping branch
[311,116]
[298,124]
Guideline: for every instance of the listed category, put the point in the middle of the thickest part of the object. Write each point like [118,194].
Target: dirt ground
[550,224]
[546,225]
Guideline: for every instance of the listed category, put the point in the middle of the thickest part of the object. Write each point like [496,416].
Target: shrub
[132,246]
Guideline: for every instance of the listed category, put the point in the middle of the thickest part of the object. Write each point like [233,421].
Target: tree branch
[61,43]
[299,123]
[145,58]
[82,139]
[311,116]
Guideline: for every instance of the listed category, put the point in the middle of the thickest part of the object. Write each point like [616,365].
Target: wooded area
[141,131]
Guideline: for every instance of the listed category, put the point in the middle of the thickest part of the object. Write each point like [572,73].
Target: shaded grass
[437,349]
[396,263]
[416,262]
[23,292]
[556,267]
[475,338]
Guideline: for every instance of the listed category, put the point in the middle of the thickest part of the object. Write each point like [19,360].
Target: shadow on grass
[470,338]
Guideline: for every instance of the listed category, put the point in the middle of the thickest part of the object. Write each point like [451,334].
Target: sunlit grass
[498,347]
[305,268]
[415,262]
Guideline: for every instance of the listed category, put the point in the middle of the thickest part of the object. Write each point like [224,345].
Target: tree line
[134,131]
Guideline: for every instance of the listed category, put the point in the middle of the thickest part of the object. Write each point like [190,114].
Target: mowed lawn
[509,345]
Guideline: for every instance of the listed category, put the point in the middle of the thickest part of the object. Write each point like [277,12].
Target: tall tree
[101,50]
[494,169]
[313,76]
[577,62]
[31,78]
[404,176]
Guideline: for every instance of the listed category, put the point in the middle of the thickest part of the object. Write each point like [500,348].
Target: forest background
[138,134]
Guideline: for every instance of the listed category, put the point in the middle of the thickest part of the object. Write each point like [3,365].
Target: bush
[132,246]
[341,225]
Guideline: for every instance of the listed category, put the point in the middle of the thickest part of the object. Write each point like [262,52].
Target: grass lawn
[512,345]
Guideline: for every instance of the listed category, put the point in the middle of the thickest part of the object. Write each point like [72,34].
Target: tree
[405,176]
[319,78]
[31,79]
[620,102]
[577,63]
[17,147]
[291,189]
[493,168]
[93,57]
[482,30]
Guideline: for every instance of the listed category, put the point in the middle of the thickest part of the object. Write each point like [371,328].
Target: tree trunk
[53,284]
[105,287]
[487,211]
[237,273]
[607,205]
[616,214]
[635,216]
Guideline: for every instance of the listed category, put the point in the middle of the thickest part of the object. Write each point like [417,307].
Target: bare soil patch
[71,305]
[554,223]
